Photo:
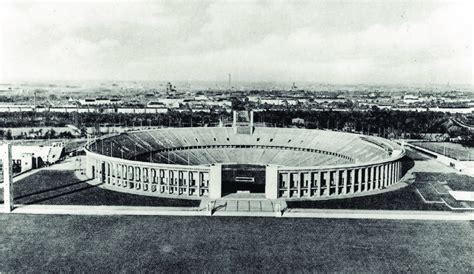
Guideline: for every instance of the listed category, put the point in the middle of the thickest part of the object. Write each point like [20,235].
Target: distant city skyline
[341,43]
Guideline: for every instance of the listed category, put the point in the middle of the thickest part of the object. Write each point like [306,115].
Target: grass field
[454,181]
[61,187]
[149,243]
[452,150]
[401,199]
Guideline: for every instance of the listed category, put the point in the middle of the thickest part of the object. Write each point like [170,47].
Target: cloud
[333,41]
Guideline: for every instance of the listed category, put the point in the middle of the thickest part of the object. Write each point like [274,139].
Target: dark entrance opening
[103,173]
[240,177]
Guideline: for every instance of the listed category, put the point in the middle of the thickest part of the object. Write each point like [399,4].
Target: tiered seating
[335,147]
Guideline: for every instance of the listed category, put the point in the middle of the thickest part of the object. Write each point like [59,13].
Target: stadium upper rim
[286,147]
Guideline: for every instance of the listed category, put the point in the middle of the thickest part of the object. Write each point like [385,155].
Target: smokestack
[230,80]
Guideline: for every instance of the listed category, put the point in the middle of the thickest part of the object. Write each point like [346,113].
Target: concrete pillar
[390,173]
[215,181]
[310,183]
[320,193]
[251,121]
[89,164]
[399,170]
[7,161]
[146,179]
[186,181]
[195,176]
[380,177]
[353,182]
[271,182]
[377,177]
[289,185]
[318,184]
[373,183]
[336,181]
[384,175]
[299,182]
[344,179]
[366,179]
[359,180]
[395,172]
[327,176]
[169,177]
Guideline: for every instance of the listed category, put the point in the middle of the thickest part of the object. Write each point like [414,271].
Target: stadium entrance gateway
[243,177]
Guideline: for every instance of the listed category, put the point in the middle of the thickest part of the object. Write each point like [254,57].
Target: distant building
[99,102]
[30,157]
[297,121]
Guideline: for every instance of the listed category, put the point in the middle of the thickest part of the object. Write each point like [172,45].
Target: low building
[30,157]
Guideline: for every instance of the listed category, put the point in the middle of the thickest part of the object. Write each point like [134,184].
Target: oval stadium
[281,163]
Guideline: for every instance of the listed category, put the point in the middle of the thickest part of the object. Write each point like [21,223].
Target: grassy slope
[150,243]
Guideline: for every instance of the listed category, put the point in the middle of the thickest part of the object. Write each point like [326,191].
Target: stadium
[281,163]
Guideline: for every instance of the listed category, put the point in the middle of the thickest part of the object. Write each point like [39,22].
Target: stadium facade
[282,163]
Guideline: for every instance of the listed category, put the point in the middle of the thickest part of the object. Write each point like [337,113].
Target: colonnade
[313,183]
[148,179]
[155,179]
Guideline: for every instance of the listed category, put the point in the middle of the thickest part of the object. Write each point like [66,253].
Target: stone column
[348,178]
[289,184]
[353,182]
[366,179]
[318,184]
[6,159]
[384,176]
[327,176]
[310,183]
[299,182]
[89,164]
[399,170]
[271,182]
[215,181]
[336,182]
[387,180]
[198,183]
[390,173]
[359,180]
[144,181]
[186,181]
[374,177]
[168,180]
[379,173]
[344,179]
[395,172]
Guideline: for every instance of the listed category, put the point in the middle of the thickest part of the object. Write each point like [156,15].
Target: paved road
[290,213]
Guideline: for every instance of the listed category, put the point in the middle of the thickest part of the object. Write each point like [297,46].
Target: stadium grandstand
[215,161]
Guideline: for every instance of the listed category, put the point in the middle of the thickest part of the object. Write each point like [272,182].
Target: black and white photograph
[224,136]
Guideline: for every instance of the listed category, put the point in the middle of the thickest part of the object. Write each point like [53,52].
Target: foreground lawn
[455,181]
[38,243]
[401,199]
[58,187]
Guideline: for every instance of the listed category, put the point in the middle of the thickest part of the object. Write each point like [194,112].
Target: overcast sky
[340,42]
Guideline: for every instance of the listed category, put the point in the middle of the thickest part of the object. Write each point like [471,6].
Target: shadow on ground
[61,187]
